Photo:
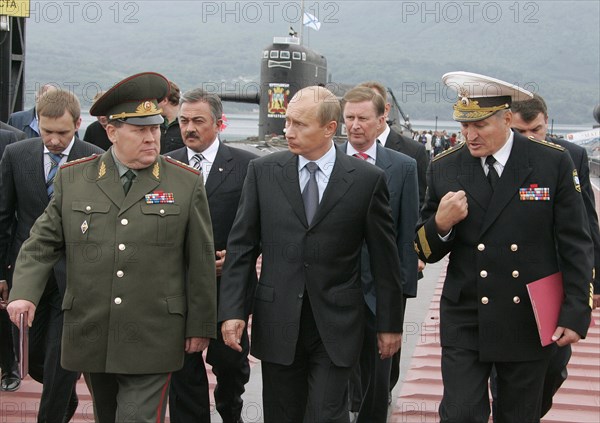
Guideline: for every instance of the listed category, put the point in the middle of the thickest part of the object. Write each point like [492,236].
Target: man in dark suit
[398,142]
[26,187]
[364,115]
[224,170]
[509,211]
[309,210]
[6,137]
[20,134]
[27,120]
[171,138]
[9,380]
[530,118]
[95,133]
[135,228]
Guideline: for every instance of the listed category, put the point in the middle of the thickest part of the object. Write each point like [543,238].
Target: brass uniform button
[483,274]
[481,247]
[515,274]
[484,300]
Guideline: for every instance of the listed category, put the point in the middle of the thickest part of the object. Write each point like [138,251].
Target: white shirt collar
[325,162]
[209,154]
[503,154]
[384,135]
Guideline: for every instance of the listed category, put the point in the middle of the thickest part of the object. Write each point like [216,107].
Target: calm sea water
[243,125]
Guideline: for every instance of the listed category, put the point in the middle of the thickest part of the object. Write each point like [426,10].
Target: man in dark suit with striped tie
[224,170]
[27,173]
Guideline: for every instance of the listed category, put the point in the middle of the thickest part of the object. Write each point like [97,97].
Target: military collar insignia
[156,171]
[102,170]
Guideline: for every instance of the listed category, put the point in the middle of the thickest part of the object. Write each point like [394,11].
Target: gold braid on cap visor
[147,108]
[467,109]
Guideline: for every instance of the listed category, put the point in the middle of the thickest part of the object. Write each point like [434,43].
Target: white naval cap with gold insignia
[480,96]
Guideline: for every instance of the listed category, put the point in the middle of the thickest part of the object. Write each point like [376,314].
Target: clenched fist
[453,209]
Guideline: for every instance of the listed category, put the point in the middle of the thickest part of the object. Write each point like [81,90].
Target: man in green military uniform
[136,231]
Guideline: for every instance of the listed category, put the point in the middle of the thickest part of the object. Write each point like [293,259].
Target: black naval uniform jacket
[504,243]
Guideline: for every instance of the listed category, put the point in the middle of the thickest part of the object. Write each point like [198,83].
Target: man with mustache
[224,170]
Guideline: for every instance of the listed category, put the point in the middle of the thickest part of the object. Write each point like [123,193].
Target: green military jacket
[140,268]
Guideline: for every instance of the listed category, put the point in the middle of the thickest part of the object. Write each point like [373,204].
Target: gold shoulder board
[182,165]
[450,151]
[82,160]
[547,143]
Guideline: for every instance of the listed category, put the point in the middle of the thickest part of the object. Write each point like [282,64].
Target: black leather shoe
[10,381]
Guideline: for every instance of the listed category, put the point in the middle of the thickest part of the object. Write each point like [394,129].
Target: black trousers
[8,359]
[395,370]
[556,374]
[374,376]
[312,389]
[44,358]
[189,393]
[466,398]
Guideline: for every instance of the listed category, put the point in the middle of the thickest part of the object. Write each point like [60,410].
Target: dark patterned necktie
[129,177]
[492,175]
[197,161]
[54,162]
[310,195]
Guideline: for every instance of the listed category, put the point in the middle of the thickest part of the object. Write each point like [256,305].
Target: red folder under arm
[546,296]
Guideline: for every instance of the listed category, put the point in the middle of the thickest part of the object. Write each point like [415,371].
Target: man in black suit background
[364,115]
[26,176]
[398,142]
[6,137]
[530,118]
[27,120]
[224,170]
[509,211]
[171,137]
[309,210]
[20,134]
[9,380]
